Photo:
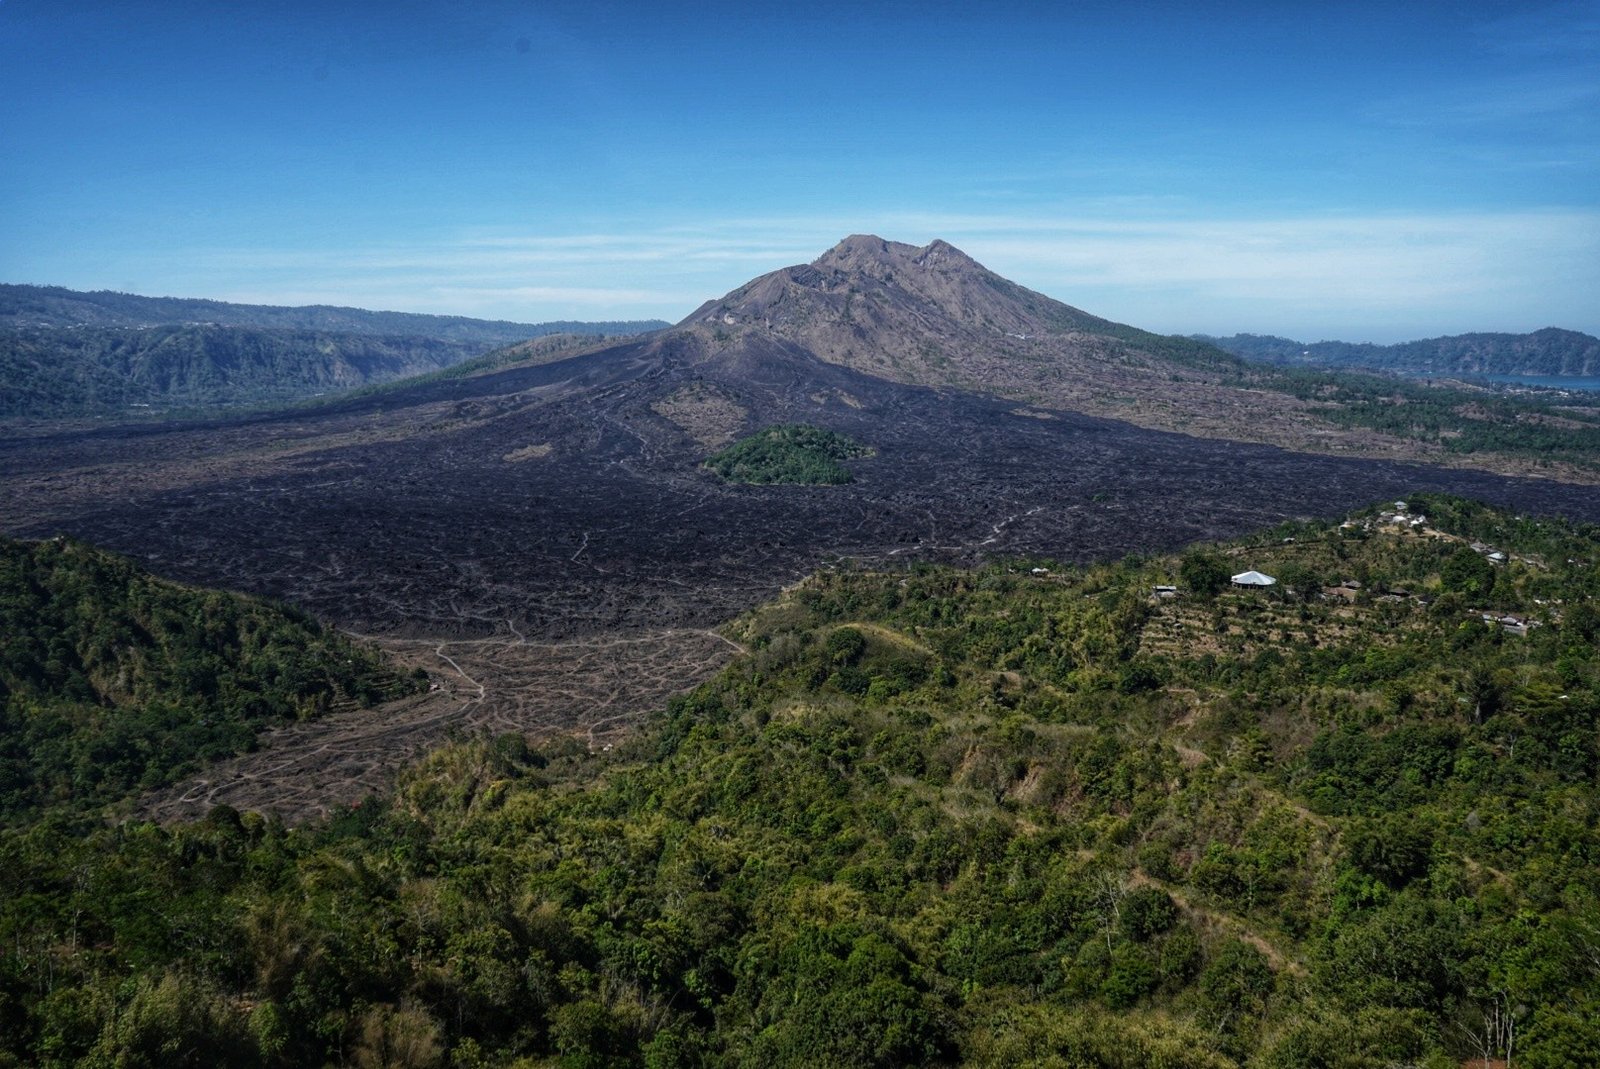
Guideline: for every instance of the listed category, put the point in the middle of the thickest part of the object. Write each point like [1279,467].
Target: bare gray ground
[597,688]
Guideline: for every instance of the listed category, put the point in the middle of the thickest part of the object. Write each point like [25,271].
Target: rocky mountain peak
[929,315]
[871,254]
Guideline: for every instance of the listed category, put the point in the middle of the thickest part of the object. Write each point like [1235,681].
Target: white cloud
[1371,277]
[1381,277]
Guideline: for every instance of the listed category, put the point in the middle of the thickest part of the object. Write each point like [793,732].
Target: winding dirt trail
[598,689]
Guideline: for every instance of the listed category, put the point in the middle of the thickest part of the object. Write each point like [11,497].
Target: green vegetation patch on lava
[790,453]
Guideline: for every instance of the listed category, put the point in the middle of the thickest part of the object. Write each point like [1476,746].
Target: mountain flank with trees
[113,681]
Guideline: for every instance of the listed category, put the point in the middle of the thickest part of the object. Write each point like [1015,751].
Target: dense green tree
[1204,573]
[791,453]
[1467,572]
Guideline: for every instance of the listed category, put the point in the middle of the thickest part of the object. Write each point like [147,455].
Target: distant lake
[1554,382]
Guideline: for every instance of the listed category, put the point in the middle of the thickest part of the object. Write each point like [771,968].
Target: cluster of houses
[1516,625]
[1399,516]
[1350,589]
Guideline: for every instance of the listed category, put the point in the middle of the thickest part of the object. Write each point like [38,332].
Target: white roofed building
[1254,578]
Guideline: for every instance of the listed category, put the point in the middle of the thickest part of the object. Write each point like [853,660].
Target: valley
[496,525]
[715,696]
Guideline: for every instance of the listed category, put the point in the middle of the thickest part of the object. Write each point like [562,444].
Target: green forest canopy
[933,816]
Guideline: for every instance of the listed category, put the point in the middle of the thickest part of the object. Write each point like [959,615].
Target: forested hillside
[112,681]
[1021,815]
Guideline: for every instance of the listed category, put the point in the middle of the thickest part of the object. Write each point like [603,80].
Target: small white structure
[1254,578]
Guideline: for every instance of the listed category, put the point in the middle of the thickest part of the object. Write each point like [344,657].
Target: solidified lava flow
[500,530]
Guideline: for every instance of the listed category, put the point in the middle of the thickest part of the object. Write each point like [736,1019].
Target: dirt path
[598,688]
[1233,926]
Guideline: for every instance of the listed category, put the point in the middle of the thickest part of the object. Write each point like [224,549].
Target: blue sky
[1367,171]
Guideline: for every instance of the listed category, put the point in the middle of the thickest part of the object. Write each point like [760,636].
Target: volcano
[567,496]
[544,538]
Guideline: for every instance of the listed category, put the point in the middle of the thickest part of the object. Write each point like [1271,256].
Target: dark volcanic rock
[568,498]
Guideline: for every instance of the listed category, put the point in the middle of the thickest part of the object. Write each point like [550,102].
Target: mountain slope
[1550,351]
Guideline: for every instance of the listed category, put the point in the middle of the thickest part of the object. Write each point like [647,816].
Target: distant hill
[65,353]
[56,306]
[1551,351]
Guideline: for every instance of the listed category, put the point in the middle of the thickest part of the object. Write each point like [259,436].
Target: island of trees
[789,453]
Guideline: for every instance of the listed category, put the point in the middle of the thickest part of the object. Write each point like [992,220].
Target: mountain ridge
[66,354]
[23,306]
[1552,351]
